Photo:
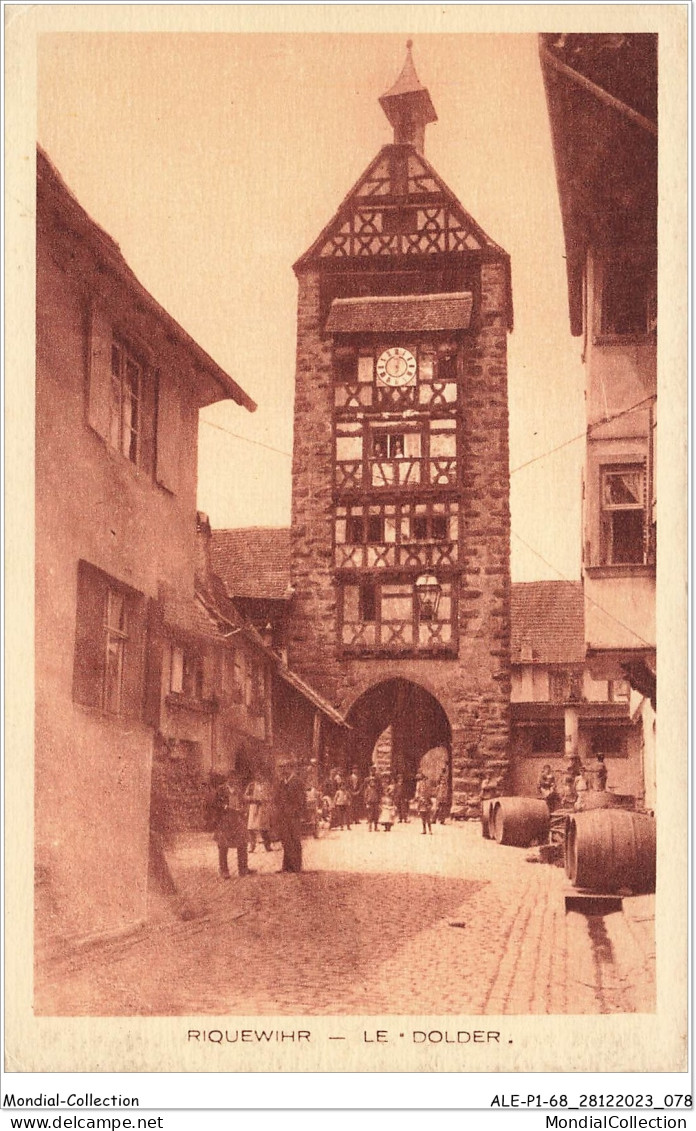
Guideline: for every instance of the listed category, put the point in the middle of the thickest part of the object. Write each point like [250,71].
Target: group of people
[382,802]
[576,781]
[262,810]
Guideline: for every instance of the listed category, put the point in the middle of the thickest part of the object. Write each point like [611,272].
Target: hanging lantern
[428,590]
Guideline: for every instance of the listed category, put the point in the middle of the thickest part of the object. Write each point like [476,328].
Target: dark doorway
[405,721]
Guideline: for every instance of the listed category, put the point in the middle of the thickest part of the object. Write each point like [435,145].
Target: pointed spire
[408,106]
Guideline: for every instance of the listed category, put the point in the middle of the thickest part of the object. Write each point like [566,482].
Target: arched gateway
[395,723]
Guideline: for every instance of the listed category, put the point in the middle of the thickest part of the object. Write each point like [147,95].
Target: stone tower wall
[474,689]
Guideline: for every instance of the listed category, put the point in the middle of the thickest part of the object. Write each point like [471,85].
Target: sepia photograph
[345,537]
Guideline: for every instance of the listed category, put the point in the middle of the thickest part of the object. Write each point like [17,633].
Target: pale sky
[214,160]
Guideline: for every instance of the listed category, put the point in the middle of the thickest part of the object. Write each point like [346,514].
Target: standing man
[291,803]
[372,795]
[355,790]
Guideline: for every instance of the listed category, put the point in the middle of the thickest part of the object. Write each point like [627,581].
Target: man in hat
[291,803]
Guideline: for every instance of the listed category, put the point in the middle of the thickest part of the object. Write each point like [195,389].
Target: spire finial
[408,106]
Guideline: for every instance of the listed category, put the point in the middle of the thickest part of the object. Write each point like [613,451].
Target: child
[341,802]
[387,813]
[326,807]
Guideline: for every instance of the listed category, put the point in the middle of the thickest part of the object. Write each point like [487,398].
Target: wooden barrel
[605,799]
[610,849]
[519,820]
[486,817]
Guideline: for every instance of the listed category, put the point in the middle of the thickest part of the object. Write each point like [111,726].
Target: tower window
[367,601]
[447,367]
[345,364]
[355,528]
[388,445]
[375,528]
[439,527]
[419,527]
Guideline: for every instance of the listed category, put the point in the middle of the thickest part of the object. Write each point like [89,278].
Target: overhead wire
[590,600]
[535,459]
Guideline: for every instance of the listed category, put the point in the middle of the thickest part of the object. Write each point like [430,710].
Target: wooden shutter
[88,668]
[132,688]
[154,653]
[99,396]
[168,432]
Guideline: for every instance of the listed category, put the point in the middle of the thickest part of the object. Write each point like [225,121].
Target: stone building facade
[400,504]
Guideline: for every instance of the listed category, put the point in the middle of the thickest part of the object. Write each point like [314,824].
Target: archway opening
[395,724]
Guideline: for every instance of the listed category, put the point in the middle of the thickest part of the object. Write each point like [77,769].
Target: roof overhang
[313,696]
[410,313]
[215,383]
[637,665]
[605,154]
[528,714]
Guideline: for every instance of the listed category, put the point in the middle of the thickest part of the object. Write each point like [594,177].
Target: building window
[565,686]
[623,515]
[619,691]
[255,695]
[547,739]
[629,298]
[186,673]
[124,426]
[233,675]
[109,636]
[610,741]
[116,636]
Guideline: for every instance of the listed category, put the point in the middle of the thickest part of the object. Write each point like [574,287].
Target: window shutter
[153,663]
[99,396]
[168,432]
[132,691]
[88,668]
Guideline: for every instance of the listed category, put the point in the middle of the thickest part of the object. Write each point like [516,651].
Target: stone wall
[474,689]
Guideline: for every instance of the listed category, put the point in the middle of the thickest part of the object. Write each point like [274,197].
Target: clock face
[396,367]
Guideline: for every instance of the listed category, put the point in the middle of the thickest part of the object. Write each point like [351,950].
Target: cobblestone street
[395,923]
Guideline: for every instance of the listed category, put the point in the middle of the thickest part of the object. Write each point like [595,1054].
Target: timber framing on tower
[400,537]
[401,208]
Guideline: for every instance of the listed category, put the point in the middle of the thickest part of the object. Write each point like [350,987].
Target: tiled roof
[253,561]
[402,312]
[547,622]
[82,226]
[189,615]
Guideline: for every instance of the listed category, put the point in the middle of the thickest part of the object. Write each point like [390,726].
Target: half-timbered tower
[400,521]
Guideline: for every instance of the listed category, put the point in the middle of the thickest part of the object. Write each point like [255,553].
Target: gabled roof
[400,178]
[253,562]
[547,622]
[51,185]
